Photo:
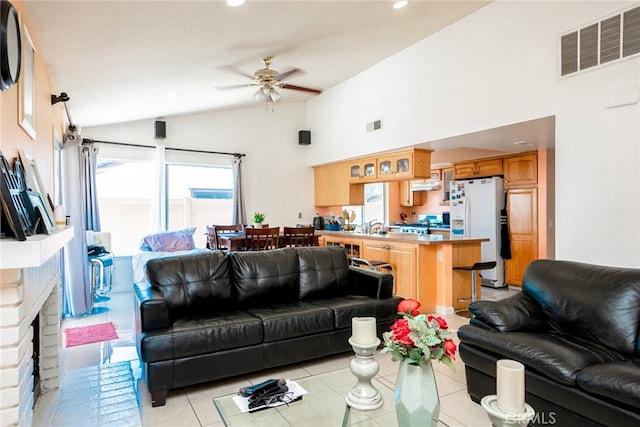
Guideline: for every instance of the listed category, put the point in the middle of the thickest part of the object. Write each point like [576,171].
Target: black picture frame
[14,209]
[39,213]
[10,45]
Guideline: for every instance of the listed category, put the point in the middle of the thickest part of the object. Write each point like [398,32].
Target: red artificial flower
[442,324]
[400,331]
[450,348]
[409,306]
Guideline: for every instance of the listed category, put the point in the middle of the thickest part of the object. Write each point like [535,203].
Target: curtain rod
[167,148]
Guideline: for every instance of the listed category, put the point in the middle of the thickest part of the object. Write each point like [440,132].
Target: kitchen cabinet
[332,186]
[402,257]
[402,165]
[362,170]
[521,171]
[447,177]
[522,214]
[409,197]
[478,169]
[353,247]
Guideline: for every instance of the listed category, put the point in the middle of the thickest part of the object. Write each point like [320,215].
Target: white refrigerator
[475,206]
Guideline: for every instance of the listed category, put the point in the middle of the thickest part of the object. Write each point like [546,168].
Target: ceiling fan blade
[300,88]
[231,87]
[288,73]
[235,70]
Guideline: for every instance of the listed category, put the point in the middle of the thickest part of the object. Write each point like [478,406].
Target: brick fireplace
[29,287]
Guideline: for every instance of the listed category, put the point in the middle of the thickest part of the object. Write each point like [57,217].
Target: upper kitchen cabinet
[521,171]
[402,165]
[332,187]
[478,169]
[408,197]
[363,170]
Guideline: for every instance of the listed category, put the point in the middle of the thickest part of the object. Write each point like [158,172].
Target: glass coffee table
[322,405]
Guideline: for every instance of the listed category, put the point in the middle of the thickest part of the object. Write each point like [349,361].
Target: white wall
[276,177]
[497,67]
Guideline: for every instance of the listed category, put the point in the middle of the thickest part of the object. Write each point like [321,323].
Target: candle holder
[500,418]
[364,396]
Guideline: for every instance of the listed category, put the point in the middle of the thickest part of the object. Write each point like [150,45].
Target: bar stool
[478,266]
[375,265]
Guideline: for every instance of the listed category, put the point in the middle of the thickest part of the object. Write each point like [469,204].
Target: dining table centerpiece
[258,219]
[415,340]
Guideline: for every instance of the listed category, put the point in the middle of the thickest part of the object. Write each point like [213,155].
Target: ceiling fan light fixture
[275,96]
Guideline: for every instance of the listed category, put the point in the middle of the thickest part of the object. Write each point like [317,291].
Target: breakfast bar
[423,264]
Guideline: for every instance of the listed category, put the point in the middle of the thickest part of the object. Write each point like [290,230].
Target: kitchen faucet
[371,224]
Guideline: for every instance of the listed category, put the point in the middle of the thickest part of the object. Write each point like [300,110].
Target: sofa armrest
[371,283]
[152,310]
[517,313]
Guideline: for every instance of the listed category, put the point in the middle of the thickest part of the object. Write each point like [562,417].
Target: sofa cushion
[619,381]
[193,284]
[265,277]
[558,356]
[284,321]
[323,272]
[347,307]
[202,335]
[598,303]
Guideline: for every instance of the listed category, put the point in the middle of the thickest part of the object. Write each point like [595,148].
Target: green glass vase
[416,396]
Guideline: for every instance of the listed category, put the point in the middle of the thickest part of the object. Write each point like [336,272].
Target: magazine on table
[293,393]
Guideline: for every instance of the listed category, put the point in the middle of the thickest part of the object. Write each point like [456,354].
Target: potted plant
[258,219]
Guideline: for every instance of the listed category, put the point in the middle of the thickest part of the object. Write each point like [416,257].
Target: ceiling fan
[268,80]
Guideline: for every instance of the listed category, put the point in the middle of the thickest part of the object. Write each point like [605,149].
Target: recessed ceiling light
[400,4]
[234,3]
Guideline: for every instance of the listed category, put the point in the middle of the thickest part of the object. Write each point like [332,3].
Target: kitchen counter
[421,239]
[424,264]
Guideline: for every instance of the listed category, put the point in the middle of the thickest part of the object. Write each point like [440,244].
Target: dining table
[235,241]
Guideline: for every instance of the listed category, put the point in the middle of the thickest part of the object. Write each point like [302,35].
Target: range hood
[425,185]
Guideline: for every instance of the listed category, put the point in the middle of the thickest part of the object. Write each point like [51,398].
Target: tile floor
[193,406]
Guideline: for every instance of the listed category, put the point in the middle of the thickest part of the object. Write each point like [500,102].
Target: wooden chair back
[299,236]
[215,231]
[261,239]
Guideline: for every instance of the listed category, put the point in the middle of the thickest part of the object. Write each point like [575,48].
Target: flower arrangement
[416,337]
[258,217]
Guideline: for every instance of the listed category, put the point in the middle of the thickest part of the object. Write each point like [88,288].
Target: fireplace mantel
[34,251]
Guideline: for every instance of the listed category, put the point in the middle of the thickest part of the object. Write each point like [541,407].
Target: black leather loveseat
[575,328]
[213,315]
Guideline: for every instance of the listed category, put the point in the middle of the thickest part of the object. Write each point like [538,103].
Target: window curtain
[158,199]
[77,298]
[89,170]
[239,212]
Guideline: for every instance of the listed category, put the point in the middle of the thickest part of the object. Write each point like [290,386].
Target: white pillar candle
[363,330]
[510,385]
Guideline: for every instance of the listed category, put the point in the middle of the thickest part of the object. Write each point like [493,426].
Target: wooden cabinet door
[408,197]
[489,167]
[403,258]
[332,188]
[464,170]
[520,171]
[363,170]
[522,212]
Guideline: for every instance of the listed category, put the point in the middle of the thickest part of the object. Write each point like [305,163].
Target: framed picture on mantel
[27,87]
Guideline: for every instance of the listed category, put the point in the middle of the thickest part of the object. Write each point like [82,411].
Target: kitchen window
[375,204]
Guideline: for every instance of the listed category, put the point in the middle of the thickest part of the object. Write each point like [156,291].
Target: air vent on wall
[374,125]
[614,38]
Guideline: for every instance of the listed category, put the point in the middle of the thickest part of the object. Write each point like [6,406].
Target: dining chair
[261,239]
[214,232]
[298,236]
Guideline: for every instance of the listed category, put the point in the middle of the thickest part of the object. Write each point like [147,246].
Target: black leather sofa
[213,315]
[575,327]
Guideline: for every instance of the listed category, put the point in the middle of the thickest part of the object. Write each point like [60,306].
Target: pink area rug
[90,334]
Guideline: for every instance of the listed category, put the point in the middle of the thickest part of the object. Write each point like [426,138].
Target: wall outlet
[299,215]
[440,257]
